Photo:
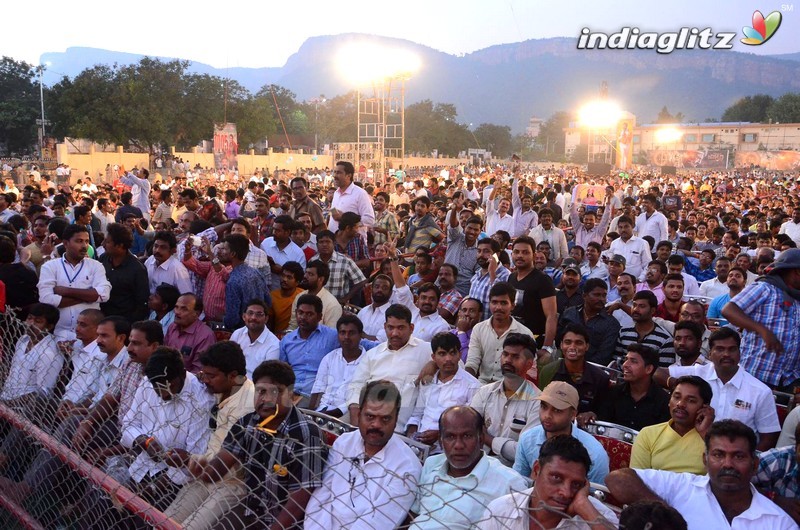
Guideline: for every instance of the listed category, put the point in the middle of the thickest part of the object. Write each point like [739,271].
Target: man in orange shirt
[280,313]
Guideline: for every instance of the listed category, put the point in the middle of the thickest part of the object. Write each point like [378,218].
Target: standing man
[768,311]
[462,247]
[386,226]
[588,231]
[164,267]
[635,250]
[244,283]
[645,330]
[717,286]
[554,236]
[651,222]
[737,278]
[280,249]
[140,188]
[602,327]
[525,219]
[126,274]
[350,198]
[535,303]
[74,282]
[489,272]
[302,203]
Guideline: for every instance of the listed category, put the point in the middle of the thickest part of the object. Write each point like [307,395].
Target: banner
[689,158]
[589,194]
[226,147]
[774,160]
[625,144]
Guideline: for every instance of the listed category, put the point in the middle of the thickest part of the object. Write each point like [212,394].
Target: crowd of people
[176,327]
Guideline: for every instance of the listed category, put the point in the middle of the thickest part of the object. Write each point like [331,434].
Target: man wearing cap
[768,312]
[616,266]
[570,294]
[557,412]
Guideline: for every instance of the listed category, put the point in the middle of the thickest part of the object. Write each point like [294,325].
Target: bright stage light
[599,114]
[365,63]
[668,135]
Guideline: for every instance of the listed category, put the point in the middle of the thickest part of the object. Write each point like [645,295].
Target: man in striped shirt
[645,331]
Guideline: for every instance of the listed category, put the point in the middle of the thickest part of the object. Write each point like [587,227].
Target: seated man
[777,476]
[199,505]
[737,394]
[721,498]
[639,401]
[646,331]
[592,384]
[371,475]
[258,343]
[557,412]
[454,487]
[281,451]
[329,393]
[676,445]
[451,386]
[509,405]
[188,334]
[560,487]
[469,313]
[602,326]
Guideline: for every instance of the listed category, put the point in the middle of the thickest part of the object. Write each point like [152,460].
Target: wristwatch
[215,261]
[548,349]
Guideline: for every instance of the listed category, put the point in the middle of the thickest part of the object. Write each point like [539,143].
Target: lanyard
[72,279]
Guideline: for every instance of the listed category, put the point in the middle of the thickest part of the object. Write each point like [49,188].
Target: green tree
[19,104]
[785,109]
[337,119]
[581,154]
[749,108]
[495,138]
[664,116]
[550,139]
[432,126]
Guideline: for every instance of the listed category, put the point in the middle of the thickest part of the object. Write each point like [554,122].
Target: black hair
[73,229]
[491,242]
[526,341]
[295,269]
[279,372]
[649,515]
[120,235]
[648,296]
[165,364]
[695,328]
[349,318]
[649,355]
[732,429]
[382,391]
[153,331]
[122,326]
[429,286]
[227,356]
[322,269]
[239,245]
[565,447]
[167,237]
[503,289]
[50,313]
[322,234]
[594,283]
[446,341]
[312,300]
[399,312]
[349,168]
[706,393]
[723,334]
[169,294]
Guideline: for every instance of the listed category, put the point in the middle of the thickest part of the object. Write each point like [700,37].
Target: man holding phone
[140,188]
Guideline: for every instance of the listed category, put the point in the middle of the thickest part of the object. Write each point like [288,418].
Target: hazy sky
[253,33]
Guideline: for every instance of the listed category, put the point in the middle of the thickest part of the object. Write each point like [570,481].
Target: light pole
[41,122]
[316,102]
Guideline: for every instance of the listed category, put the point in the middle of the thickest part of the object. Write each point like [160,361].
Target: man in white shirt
[498,218]
[651,222]
[675,266]
[258,343]
[553,235]
[635,250]
[451,386]
[350,198]
[400,360]
[525,219]
[280,248]
[731,461]
[373,316]
[140,188]
[559,487]
[717,286]
[164,267]
[371,476]
[74,282]
[737,394]
[88,362]
[792,227]
[454,487]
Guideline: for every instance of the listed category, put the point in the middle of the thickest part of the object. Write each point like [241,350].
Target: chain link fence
[162,459]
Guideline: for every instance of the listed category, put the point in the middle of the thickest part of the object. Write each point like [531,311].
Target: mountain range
[509,83]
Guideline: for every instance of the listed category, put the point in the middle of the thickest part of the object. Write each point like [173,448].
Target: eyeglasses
[257,314]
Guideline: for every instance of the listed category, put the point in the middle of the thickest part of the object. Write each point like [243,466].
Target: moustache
[374,431]
[729,473]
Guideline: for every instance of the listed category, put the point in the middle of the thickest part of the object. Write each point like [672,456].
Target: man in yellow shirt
[280,314]
[678,445]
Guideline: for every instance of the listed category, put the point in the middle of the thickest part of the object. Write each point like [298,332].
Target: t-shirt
[660,447]
[280,314]
[530,291]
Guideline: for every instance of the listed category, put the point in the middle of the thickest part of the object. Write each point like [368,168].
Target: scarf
[777,281]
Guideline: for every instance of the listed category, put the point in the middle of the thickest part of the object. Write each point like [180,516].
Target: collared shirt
[163,212]
[344,274]
[125,383]
[140,188]
[510,512]
[401,367]
[265,348]
[436,396]
[530,443]
[636,253]
[603,330]
[654,225]
[557,239]
[600,270]
[565,301]
[244,284]
[171,271]
[507,417]
[691,495]
[583,236]
[312,209]
[495,222]
[87,365]
[450,301]
[256,257]
[791,229]
[481,285]
[305,355]
[485,348]
[88,274]
[778,472]
[743,398]
[592,385]
[658,290]
[291,252]
[191,342]
[659,446]
[524,221]
[356,249]
[33,370]
[277,465]
[767,305]
[620,408]
[179,423]
[363,494]
[463,257]
[353,199]
[333,379]
[444,501]
[388,221]
[425,326]
[701,275]
[214,290]
[229,411]
[129,288]
[331,309]
[713,288]
[165,321]
[659,339]
[373,318]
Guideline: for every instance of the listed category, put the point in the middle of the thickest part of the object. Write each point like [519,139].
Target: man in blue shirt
[557,413]
[244,283]
[305,347]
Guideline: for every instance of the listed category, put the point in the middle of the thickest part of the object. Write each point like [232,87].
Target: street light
[42,122]
[598,115]
[316,102]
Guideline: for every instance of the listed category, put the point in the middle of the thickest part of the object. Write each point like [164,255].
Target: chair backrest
[602,494]
[611,430]
[619,453]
